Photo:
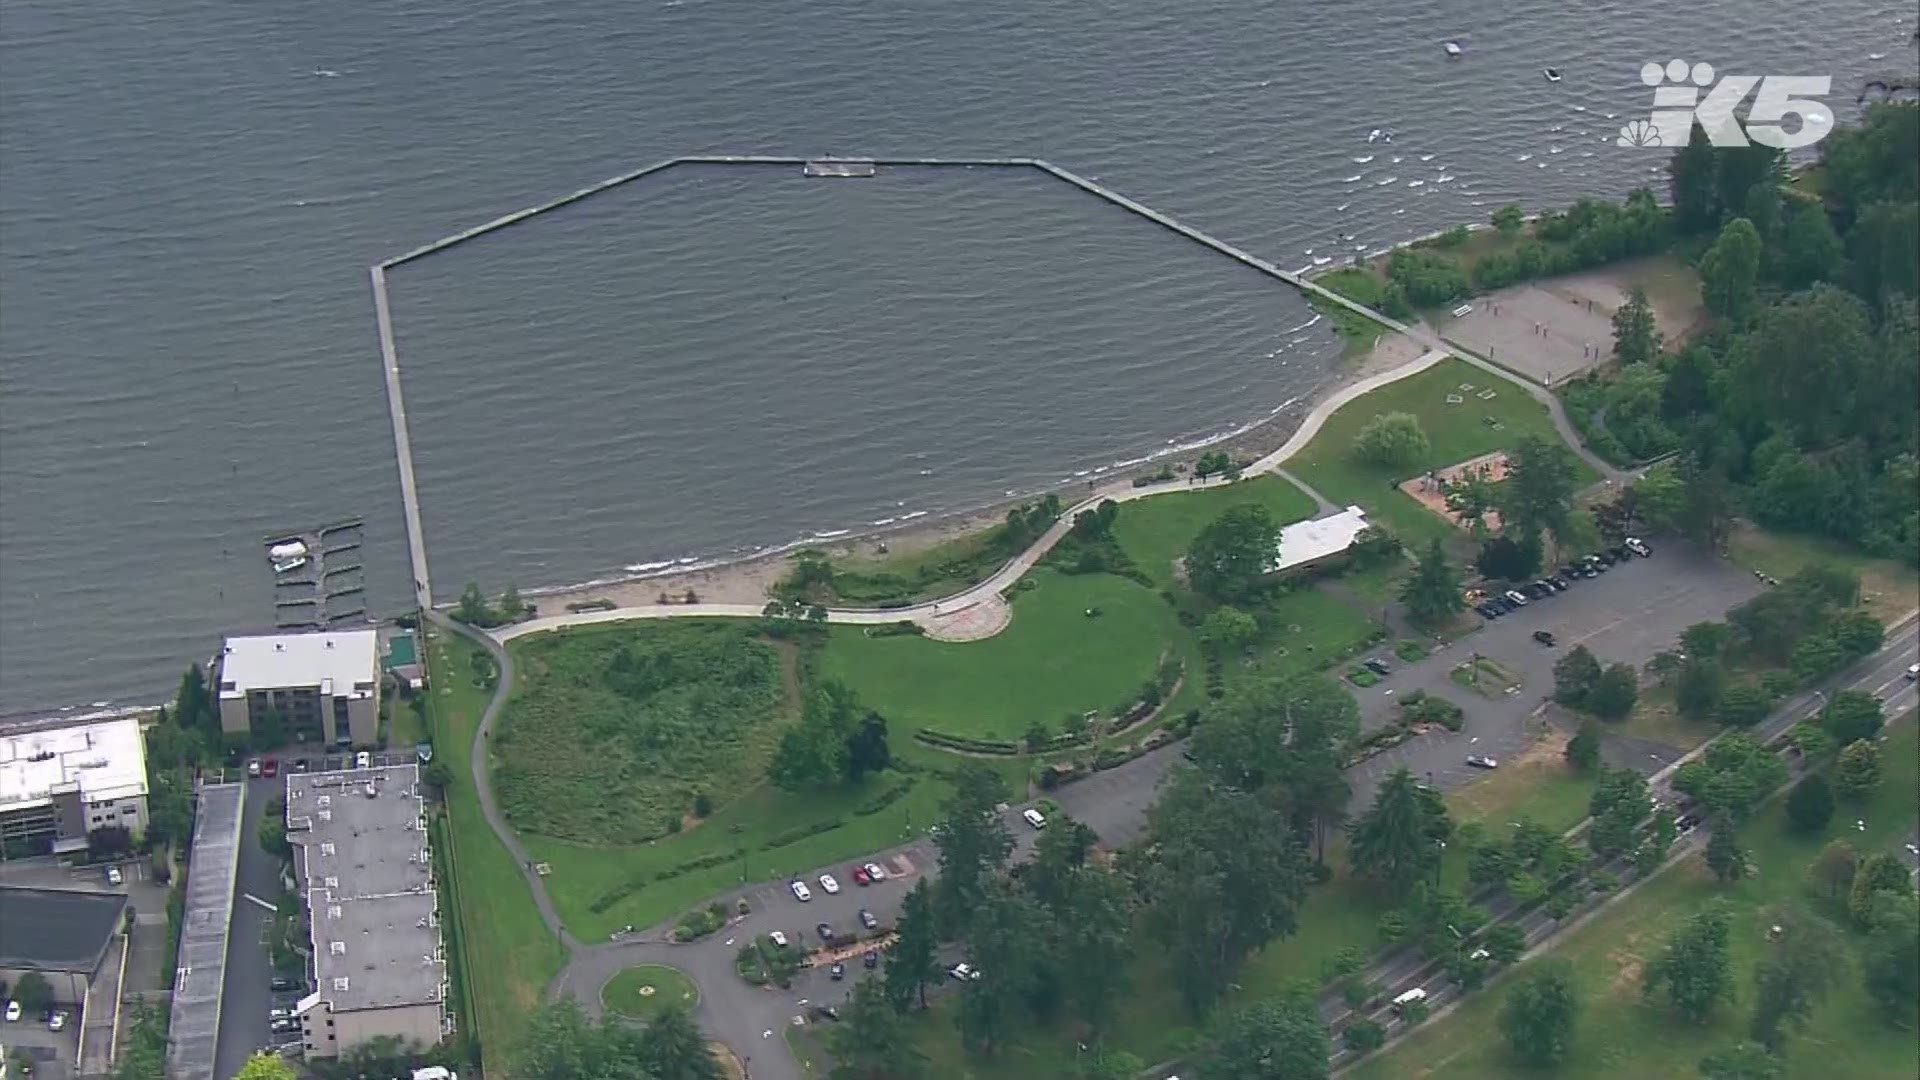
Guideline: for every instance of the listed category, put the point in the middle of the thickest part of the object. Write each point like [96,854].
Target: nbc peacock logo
[1638,133]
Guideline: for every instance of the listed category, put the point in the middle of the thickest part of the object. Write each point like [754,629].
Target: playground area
[1430,489]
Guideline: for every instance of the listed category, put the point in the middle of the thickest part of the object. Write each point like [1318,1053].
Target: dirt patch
[1629,969]
[1430,490]
[731,1066]
[1549,749]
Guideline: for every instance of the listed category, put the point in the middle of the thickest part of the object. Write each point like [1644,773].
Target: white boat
[1453,48]
[287,549]
[1552,74]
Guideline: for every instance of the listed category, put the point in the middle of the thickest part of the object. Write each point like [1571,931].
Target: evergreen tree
[1396,841]
[1636,340]
[1730,270]
[1432,592]
[1725,857]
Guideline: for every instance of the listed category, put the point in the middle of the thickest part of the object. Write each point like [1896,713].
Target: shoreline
[748,578]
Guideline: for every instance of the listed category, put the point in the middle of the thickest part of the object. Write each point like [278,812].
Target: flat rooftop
[1310,541]
[103,759]
[342,663]
[360,851]
[57,929]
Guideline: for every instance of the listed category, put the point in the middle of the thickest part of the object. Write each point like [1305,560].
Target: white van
[1410,997]
[363,760]
[1034,818]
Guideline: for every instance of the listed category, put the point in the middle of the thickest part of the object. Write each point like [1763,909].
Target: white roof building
[101,759]
[1306,542]
[336,663]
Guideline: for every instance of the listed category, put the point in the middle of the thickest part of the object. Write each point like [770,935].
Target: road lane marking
[262,903]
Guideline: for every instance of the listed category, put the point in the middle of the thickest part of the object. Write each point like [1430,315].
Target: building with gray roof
[361,857]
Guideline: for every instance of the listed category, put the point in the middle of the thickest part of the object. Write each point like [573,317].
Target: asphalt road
[244,1000]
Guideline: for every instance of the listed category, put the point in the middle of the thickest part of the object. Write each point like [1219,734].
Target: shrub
[797,834]
[885,799]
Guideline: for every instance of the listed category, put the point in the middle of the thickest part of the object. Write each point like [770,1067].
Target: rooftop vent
[337,948]
[340,983]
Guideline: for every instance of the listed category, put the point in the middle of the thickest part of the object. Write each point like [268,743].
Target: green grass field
[510,957]
[1619,1034]
[1456,432]
[1362,287]
[1310,630]
[641,991]
[1157,530]
[1051,662]
[1887,588]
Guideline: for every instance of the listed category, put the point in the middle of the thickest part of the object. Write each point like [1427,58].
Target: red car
[860,876]
[270,767]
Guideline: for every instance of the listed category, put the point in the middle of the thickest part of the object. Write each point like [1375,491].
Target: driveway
[247,992]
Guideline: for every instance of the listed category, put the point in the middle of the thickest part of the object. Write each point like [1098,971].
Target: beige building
[362,861]
[324,686]
[63,777]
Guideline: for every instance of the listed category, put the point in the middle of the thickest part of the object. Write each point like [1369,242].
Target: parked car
[57,1021]
[1539,590]
[800,891]
[1560,582]
[1034,818]
[270,767]
[1634,545]
[963,972]
[279,1026]
[299,764]
[874,871]
[860,876]
[1913,673]
[114,877]
[778,937]
[363,760]
[1488,611]
[838,972]
[1544,637]
[828,883]
[253,767]
[1482,761]
[13,1011]
[1377,666]
[1514,598]
[871,959]
[825,930]
[868,920]
[279,1014]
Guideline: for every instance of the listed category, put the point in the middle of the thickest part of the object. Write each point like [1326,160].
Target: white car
[13,1011]
[1034,818]
[1913,673]
[800,891]
[1515,598]
[778,937]
[828,883]
[1482,761]
[114,877]
[964,972]
[57,1021]
[253,767]
[874,872]
[363,760]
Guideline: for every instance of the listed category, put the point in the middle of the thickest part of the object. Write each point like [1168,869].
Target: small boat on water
[1552,74]
[287,549]
[288,566]
[1453,48]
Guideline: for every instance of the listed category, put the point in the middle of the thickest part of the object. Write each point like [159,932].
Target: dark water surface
[190,193]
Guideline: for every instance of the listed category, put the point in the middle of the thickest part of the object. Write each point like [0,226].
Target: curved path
[726,1002]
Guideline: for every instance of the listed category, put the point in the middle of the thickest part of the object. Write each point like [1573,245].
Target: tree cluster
[1579,682]
[836,742]
[1732,777]
[1233,552]
[561,1043]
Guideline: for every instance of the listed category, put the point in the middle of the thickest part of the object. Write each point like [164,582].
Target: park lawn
[1156,531]
[1051,662]
[582,876]
[1362,287]
[509,957]
[1887,588]
[1456,433]
[1380,584]
[1657,719]
[1537,784]
[1307,629]
[644,989]
[407,726]
[1619,1034]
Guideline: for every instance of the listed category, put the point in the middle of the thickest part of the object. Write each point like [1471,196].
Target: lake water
[190,194]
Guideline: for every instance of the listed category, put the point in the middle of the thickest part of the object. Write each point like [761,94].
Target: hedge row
[885,799]
[640,881]
[795,835]
[962,742]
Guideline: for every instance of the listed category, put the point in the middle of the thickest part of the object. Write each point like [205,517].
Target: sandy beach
[750,580]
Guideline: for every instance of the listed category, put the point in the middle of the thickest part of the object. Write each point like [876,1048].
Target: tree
[1003,938]
[1540,1013]
[1614,693]
[512,606]
[1505,942]
[1882,873]
[1743,704]
[1810,251]
[560,1043]
[1890,962]
[265,1067]
[1432,592]
[1280,1039]
[1394,440]
[1222,875]
[1233,551]
[1811,740]
[1831,872]
[867,750]
[1810,805]
[1538,494]
[473,608]
[1284,740]
[33,992]
[1583,750]
[1091,942]
[1509,219]
[673,1048]
[1802,366]
[973,842]
[1708,518]
[1697,691]
[1510,559]
[1618,806]
[1857,772]
[1725,857]
[1793,977]
[1852,715]
[1574,677]
[1730,270]
[1228,630]
[1363,1035]
[1692,175]
[871,1041]
[1742,1061]
[1636,340]
[913,962]
[1396,841]
[836,742]
[1660,498]
[1693,970]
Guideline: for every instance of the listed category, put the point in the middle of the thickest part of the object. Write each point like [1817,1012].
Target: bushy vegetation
[898,582]
[612,733]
